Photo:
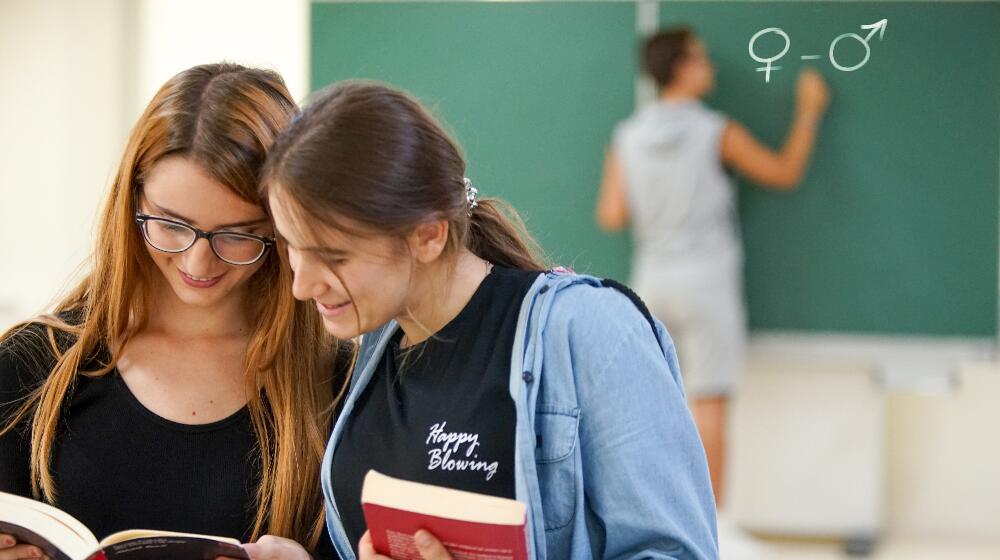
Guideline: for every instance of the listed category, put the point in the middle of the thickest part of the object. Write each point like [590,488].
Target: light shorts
[701,304]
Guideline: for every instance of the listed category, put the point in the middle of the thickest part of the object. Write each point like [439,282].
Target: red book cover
[471,526]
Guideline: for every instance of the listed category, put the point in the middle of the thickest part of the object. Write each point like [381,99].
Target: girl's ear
[427,241]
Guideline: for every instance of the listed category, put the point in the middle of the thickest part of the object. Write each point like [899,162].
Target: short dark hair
[663,50]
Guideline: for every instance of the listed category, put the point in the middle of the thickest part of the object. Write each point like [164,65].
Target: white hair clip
[470,193]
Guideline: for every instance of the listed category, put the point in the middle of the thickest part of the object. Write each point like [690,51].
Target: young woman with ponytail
[479,370]
[179,386]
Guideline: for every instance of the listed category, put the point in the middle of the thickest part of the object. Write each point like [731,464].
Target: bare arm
[612,201]
[780,170]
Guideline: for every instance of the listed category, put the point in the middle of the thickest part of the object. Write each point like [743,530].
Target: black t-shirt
[446,416]
[117,465]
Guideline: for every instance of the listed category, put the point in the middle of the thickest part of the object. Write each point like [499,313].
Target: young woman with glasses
[179,386]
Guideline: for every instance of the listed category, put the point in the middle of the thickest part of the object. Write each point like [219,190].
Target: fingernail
[423,538]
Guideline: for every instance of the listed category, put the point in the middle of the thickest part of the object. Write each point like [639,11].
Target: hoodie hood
[664,124]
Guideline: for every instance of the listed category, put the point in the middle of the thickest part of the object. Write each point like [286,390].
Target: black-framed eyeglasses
[173,236]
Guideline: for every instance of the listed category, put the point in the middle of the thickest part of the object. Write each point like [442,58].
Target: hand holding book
[427,544]
[12,549]
[461,525]
[28,526]
[270,547]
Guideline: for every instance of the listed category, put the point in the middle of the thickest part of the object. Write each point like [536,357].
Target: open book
[62,537]
[471,526]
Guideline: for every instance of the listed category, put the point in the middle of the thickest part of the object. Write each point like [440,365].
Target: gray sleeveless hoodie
[681,199]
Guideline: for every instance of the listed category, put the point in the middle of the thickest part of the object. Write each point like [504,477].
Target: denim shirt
[607,457]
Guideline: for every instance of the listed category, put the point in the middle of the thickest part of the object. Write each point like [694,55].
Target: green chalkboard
[531,91]
[894,229]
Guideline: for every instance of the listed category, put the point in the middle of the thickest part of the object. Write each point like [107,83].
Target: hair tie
[470,193]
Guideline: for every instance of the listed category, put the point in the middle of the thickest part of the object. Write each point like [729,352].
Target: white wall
[61,100]
[944,458]
[820,450]
[175,34]
[75,77]
[808,447]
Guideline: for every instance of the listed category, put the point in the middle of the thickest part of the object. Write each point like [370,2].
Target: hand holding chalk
[812,93]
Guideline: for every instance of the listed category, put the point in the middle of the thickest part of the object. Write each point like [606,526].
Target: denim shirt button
[527,377]
[543,289]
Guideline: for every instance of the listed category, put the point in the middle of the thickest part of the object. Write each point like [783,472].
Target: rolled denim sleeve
[646,483]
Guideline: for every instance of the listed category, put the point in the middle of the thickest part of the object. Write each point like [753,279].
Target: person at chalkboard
[665,175]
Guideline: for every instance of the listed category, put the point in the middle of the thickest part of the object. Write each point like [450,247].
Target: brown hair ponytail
[368,154]
[498,235]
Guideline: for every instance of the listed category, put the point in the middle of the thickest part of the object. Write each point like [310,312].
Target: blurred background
[869,410]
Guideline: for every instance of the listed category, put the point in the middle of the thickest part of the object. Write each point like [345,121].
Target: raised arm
[780,170]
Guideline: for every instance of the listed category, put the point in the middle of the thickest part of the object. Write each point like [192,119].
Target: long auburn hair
[223,117]
[365,154]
